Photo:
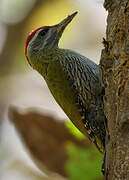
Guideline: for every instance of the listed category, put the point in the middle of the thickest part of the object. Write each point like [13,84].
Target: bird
[73,80]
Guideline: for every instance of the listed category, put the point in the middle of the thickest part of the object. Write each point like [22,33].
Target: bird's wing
[84,77]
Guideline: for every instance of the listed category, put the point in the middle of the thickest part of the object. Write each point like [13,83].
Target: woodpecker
[72,79]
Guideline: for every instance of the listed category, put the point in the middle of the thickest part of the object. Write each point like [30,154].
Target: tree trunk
[114,67]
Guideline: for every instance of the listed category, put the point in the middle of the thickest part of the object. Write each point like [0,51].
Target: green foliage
[74,130]
[83,164]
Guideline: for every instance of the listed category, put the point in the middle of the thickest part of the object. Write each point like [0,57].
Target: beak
[62,25]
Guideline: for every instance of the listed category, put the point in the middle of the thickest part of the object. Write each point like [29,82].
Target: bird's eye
[43,32]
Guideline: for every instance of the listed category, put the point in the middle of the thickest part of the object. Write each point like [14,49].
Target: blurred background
[36,141]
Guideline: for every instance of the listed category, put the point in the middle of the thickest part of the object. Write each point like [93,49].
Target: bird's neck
[40,61]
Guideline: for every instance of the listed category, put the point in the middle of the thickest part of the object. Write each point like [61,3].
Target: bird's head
[46,37]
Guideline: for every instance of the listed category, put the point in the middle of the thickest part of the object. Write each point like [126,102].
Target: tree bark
[114,68]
